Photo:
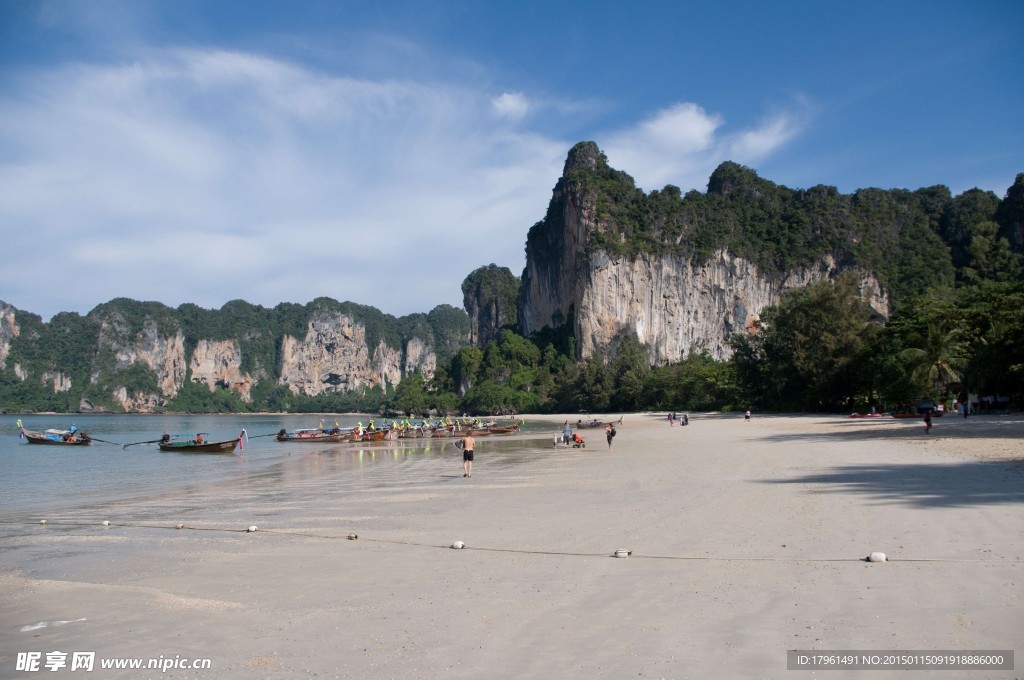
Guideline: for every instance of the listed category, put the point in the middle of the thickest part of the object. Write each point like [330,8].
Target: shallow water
[37,480]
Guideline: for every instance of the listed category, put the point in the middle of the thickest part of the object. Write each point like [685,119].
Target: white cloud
[206,176]
[512,105]
[683,144]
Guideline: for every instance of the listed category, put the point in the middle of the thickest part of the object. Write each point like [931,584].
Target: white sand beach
[747,540]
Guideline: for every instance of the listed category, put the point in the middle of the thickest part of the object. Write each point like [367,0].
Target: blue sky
[378,152]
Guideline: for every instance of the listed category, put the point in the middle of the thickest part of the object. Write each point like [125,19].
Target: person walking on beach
[468,443]
[610,432]
[746,416]
[566,433]
[927,420]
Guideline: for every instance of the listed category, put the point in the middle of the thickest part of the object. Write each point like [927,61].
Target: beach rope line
[518,551]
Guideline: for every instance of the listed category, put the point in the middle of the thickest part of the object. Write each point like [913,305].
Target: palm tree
[939,360]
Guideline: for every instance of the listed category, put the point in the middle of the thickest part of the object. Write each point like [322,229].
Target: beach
[745,540]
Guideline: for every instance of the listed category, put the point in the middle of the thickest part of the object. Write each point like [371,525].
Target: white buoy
[106,523]
[251,529]
[877,557]
[622,552]
[458,545]
[179,526]
[353,537]
[42,521]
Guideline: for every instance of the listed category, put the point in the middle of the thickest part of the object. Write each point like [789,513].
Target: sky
[205,151]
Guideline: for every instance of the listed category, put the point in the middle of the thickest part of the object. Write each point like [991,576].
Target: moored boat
[370,435]
[57,437]
[316,435]
[199,445]
[502,429]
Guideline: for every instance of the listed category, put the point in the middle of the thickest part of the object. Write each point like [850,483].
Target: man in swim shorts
[467,455]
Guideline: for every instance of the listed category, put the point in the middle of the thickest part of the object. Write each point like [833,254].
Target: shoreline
[747,540]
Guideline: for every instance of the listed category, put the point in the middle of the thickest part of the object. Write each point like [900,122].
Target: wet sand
[747,540]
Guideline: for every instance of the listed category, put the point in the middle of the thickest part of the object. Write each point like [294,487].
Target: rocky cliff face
[675,308]
[163,355]
[219,363]
[8,331]
[137,356]
[490,296]
[670,304]
[334,356]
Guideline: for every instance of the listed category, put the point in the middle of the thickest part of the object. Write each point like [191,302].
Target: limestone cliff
[674,304]
[8,331]
[675,308]
[137,356]
[490,296]
[163,355]
[334,356]
[219,363]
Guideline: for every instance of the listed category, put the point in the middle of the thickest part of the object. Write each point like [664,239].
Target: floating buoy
[353,537]
[458,545]
[877,557]
[251,529]
[622,552]
[42,521]
[106,523]
[179,526]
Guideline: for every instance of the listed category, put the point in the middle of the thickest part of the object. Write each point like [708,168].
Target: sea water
[38,481]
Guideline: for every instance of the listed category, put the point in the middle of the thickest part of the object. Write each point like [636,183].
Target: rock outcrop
[163,355]
[333,356]
[490,296]
[219,363]
[8,331]
[669,303]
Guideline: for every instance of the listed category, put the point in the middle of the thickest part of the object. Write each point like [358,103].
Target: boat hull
[295,438]
[192,447]
[81,439]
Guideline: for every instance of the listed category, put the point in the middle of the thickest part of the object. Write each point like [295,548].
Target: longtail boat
[198,445]
[503,429]
[57,437]
[370,436]
[315,435]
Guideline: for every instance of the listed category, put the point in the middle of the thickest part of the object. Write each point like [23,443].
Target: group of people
[570,438]
[672,418]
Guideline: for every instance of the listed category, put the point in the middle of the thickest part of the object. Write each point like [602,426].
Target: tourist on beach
[467,445]
[566,433]
[746,416]
[927,420]
[610,432]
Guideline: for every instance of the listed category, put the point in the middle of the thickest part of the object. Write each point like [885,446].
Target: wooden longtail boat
[315,435]
[198,445]
[504,429]
[57,437]
[370,436]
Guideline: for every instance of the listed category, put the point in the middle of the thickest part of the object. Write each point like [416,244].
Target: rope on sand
[519,551]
